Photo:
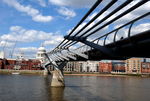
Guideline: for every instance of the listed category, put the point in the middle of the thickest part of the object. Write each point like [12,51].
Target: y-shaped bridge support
[57,75]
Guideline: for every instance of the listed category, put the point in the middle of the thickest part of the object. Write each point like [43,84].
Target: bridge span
[94,41]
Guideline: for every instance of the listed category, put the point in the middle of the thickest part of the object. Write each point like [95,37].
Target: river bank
[34,72]
[41,72]
[107,75]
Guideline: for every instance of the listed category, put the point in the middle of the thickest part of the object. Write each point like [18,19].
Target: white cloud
[66,12]
[73,3]
[28,49]
[140,28]
[20,34]
[42,3]
[41,18]
[34,13]
[6,44]
[15,28]
[56,40]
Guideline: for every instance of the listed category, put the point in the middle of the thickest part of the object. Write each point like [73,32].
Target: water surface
[78,88]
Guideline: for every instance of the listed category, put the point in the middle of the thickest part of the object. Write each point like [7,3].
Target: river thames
[78,88]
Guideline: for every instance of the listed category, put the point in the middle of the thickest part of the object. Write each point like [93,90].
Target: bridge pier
[57,79]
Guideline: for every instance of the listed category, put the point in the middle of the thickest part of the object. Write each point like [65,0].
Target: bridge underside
[92,35]
[135,46]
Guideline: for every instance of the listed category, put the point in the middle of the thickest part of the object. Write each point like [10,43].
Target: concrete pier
[57,79]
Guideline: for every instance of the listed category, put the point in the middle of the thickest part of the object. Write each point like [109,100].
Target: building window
[144,65]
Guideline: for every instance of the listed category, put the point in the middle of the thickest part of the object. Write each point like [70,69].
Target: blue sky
[26,24]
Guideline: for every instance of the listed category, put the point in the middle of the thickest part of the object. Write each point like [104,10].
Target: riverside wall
[8,71]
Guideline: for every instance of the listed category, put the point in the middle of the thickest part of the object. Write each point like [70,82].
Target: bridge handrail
[65,46]
[131,22]
[111,21]
[92,8]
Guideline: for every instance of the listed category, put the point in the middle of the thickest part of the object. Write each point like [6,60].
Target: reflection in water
[54,93]
[78,88]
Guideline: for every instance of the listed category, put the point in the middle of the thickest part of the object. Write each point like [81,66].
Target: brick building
[133,66]
[118,66]
[145,67]
[105,67]
[20,64]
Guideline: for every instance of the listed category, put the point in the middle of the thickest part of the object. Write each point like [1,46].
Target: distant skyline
[26,24]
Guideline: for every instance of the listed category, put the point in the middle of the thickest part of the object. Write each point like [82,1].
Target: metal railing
[66,44]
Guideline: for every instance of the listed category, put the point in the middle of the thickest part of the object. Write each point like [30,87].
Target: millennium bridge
[94,41]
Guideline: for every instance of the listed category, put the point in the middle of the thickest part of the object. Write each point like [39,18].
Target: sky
[25,25]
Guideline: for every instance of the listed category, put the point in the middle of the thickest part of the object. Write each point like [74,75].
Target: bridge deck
[135,46]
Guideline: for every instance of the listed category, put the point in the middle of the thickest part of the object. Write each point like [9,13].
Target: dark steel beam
[103,49]
[118,17]
[111,21]
[85,16]
[105,18]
